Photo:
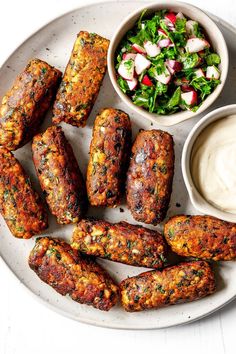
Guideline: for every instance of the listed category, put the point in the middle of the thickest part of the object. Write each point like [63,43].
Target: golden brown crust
[150,175]
[120,242]
[23,107]
[184,282]
[82,79]
[109,153]
[58,265]
[20,205]
[59,175]
[201,236]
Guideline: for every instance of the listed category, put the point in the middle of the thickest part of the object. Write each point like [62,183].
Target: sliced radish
[163,43]
[173,65]
[195,45]
[141,63]
[171,17]
[199,73]
[212,72]
[189,98]
[146,81]
[152,49]
[186,88]
[139,49]
[126,69]
[127,56]
[164,77]
[132,84]
[180,15]
[161,32]
[190,25]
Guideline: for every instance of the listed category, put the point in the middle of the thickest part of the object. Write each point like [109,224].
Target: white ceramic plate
[53,43]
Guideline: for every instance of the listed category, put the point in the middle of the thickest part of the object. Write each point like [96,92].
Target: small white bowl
[196,198]
[216,40]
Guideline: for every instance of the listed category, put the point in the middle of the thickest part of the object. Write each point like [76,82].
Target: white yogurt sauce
[213,164]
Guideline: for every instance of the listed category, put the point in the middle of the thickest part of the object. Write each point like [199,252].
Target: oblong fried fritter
[58,265]
[120,242]
[184,282]
[150,175]
[59,175]
[109,153]
[201,236]
[82,79]
[20,205]
[23,107]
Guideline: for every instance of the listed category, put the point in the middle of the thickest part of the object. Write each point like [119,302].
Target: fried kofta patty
[20,205]
[181,283]
[109,153]
[58,265]
[59,175]
[201,236]
[150,175]
[120,242]
[23,107]
[82,79]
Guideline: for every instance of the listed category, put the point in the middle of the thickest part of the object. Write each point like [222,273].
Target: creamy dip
[213,163]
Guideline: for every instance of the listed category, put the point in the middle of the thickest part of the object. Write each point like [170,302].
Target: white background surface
[27,327]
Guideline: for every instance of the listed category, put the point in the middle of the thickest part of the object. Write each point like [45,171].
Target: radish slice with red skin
[189,98]
[139,49]
[212,72]
[195,45]
[141,63]
[186,88]
[174,65]
[199,73]
[164,77]
[163,43]
[126,69]
[152,49]
[146,81]
[171,17]
[132,84]
[161,32]
[127,56]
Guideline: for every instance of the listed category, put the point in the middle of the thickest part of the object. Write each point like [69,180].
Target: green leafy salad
[165,64]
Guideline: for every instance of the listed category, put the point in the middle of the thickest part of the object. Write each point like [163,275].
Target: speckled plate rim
[9,268]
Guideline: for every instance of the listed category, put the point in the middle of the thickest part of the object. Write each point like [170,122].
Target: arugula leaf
[197,30]
[204,86]
[180,25]
[139,24]
[174,100]
[213,59]
[141,98]
[141,37]
[123,84]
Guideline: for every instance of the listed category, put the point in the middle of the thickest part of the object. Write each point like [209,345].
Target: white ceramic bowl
[197,200]
[215,37]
